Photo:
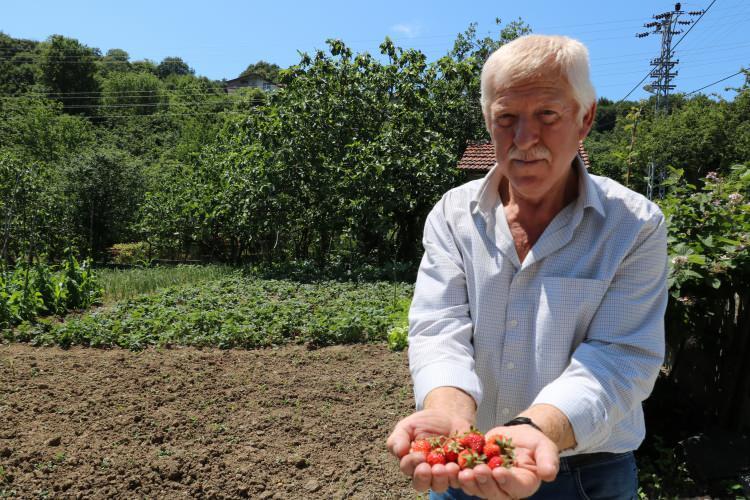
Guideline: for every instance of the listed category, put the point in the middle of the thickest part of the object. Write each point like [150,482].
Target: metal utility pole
[666,24]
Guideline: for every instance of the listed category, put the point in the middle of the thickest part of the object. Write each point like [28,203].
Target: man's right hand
[422,424]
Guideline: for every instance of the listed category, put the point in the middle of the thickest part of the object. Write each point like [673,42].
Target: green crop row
[121,284]
[238,311]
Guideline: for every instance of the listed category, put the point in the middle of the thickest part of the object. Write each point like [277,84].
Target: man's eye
[505,120]
[549,116]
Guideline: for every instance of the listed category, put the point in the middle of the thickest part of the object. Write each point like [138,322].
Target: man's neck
[527,219]
[540,211]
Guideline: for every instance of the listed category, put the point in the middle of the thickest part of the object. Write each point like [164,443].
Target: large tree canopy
[173,66]
[264,69]
[68,69]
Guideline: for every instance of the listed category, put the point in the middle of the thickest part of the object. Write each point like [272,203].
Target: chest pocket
[565,309]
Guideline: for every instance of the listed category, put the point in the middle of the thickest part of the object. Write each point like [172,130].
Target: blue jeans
[615,477]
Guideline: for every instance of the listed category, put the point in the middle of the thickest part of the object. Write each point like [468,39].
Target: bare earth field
[276,423]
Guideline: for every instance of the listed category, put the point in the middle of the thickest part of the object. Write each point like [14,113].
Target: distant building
[250,80]
[479,158]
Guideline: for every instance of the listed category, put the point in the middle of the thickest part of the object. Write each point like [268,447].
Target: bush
[130,253]
[707,371]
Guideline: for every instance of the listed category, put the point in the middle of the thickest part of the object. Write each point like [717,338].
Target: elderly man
[539,303]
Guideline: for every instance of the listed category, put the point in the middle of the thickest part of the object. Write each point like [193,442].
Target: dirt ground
[276,423]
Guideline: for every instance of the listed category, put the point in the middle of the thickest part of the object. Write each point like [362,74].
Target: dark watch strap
[522,421]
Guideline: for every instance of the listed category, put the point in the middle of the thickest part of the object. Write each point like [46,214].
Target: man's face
[535,129]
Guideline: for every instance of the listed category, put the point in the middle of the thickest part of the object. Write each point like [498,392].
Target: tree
[115,61]
[132,94]
[17,65]
[68,70]
[103,189]
[265,70]
[690,138]
[173,66]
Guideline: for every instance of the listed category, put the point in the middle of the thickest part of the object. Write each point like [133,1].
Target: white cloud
[407,29]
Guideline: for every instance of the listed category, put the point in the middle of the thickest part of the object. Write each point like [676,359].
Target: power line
[714,83]
[671,50]
[694,23]
[135,94]
[162,115]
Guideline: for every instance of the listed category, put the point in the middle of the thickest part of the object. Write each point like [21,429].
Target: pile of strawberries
[467,449]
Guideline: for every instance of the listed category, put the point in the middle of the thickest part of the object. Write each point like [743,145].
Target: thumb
[399,442]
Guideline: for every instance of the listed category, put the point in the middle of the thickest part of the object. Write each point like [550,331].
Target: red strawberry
[451,449]
[495,462]
[421,446]
[436,457]
[473,440]
[491,449]
[495,445]
[467,459]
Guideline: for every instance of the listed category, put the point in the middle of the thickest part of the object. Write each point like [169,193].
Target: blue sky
[220,38]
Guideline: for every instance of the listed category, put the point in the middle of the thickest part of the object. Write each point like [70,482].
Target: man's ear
[587,123]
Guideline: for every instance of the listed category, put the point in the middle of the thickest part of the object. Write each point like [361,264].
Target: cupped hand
[537,460]
[419,425]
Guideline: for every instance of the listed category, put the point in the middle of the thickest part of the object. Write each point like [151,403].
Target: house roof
[480,156]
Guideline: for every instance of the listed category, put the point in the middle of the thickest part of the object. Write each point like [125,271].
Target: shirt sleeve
[614,369]
[440,328]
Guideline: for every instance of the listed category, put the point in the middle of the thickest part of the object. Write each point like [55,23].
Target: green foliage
[17,66]
[237,311]
[64,79]
[398,338]
[173,66]
[114,61]
[103,187]
[121,284]
[138,253]
[689,138]
[37,129]
[33,289]
[266,70]
[132,94]
[709,231]
[344,161]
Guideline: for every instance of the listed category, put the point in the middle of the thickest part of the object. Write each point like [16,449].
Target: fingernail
[481,479]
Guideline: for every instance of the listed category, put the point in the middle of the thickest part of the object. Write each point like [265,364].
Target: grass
[122,284]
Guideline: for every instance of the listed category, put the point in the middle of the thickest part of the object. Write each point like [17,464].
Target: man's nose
[527,132]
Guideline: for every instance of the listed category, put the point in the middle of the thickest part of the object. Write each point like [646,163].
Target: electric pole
[667,25]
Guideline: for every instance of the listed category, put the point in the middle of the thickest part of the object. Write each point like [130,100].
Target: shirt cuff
[587,417]
[437,375]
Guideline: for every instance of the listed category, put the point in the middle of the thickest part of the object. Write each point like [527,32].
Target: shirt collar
[488,196]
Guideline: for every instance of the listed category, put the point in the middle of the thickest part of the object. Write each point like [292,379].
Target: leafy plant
[238,311]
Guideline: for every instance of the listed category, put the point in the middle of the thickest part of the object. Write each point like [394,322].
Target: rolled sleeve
[614,369]
[440,327]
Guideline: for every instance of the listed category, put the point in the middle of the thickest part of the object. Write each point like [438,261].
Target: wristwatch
[522,421]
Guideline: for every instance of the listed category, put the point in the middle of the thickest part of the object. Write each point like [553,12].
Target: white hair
[534,56]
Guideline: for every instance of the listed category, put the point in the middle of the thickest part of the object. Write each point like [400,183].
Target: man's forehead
[544,90]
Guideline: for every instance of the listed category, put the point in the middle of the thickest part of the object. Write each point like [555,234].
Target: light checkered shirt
[579,325]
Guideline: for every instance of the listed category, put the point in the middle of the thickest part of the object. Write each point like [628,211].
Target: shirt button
[510,365]
[506,411]
[513,323]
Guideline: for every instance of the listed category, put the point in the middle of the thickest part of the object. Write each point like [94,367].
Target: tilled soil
[276,423]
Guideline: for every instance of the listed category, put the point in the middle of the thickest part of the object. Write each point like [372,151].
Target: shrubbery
[37,289]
